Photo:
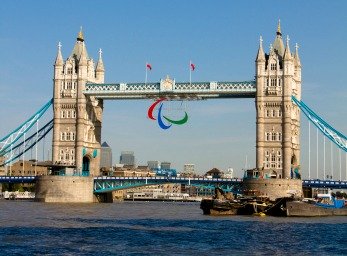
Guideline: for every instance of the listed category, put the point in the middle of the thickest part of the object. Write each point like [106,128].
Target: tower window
[273,81]
[274,136]
[268,135]
[273,66]
[266,153]
[279,136]
[69,71]
[267,113]
[279,112]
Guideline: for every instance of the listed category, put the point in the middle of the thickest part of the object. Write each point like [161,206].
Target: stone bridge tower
[77,118]
[278,77]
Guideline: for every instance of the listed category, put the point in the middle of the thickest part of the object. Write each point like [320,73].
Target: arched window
[273,136]
[273,113]
[279,136]
[279,112]
[72,136]
[68,136]
[69,71]
[273,81]
[266,153]
[63,114]
[273,158]
[67,114]
[268,135]
[267,113]
[62,136]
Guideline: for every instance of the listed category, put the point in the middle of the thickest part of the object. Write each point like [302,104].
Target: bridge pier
[273,188]
[65,189]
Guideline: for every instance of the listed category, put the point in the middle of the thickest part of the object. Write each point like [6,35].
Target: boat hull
[303,209]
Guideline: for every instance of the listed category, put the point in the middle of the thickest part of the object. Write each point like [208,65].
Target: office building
[106,156]
[127,158]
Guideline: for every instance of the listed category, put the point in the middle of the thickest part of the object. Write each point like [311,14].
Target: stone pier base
[273,188]
[65,189]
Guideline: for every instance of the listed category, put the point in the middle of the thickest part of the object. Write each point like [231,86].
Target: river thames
[159,228]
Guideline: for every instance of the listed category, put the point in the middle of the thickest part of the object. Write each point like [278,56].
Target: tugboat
[226,204]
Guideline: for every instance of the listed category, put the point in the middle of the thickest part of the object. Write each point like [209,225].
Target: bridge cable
[15,152]
[17,133]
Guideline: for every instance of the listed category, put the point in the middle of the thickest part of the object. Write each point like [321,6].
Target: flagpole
[190,72]
[146,73]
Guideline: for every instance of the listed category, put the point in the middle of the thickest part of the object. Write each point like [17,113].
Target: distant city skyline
[220,37]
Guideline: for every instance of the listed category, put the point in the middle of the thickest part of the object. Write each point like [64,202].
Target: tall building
[106,156]
[189,168]
[278,76]
[127,158]
[153,165]
[77,118]
[165,165]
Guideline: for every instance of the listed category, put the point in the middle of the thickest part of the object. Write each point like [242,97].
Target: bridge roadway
[169,89]
[105,183]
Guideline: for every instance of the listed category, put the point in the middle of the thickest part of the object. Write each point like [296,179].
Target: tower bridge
[79,91]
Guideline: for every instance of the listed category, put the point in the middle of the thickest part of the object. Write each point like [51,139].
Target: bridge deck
[157,179]
[172,90]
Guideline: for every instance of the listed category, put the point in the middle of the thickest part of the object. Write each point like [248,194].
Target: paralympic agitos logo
[161,116]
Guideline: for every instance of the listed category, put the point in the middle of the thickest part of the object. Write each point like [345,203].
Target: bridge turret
[259,102]
[278,121]
[100,70]
[77,118]
[288,73]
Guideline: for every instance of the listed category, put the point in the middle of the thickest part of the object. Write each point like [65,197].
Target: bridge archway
[86,166]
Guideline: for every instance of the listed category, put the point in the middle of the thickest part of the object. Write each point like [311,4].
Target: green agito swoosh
[179,122]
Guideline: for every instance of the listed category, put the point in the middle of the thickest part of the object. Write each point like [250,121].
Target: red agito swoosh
[152,107]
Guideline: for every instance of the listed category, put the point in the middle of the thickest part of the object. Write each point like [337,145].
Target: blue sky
[220,37]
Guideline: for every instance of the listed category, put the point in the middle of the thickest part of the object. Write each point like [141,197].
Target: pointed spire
[260,55]
[296,56]
[80,36]
[279,28]
[83,58]
[59,59]
[100,64]
[278,43]
[287,54]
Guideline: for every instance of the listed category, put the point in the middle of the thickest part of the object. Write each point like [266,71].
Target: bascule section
[278,78]
[77,118]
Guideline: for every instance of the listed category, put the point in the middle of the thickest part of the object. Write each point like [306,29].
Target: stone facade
[273,188]
[63,189]
[278,77]
[27,168]
[2,168]
[77,118]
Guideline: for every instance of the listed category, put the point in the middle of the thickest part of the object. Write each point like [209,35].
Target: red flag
[149,66]
[192,66]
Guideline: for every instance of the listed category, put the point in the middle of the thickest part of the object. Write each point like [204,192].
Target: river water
[160,228]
